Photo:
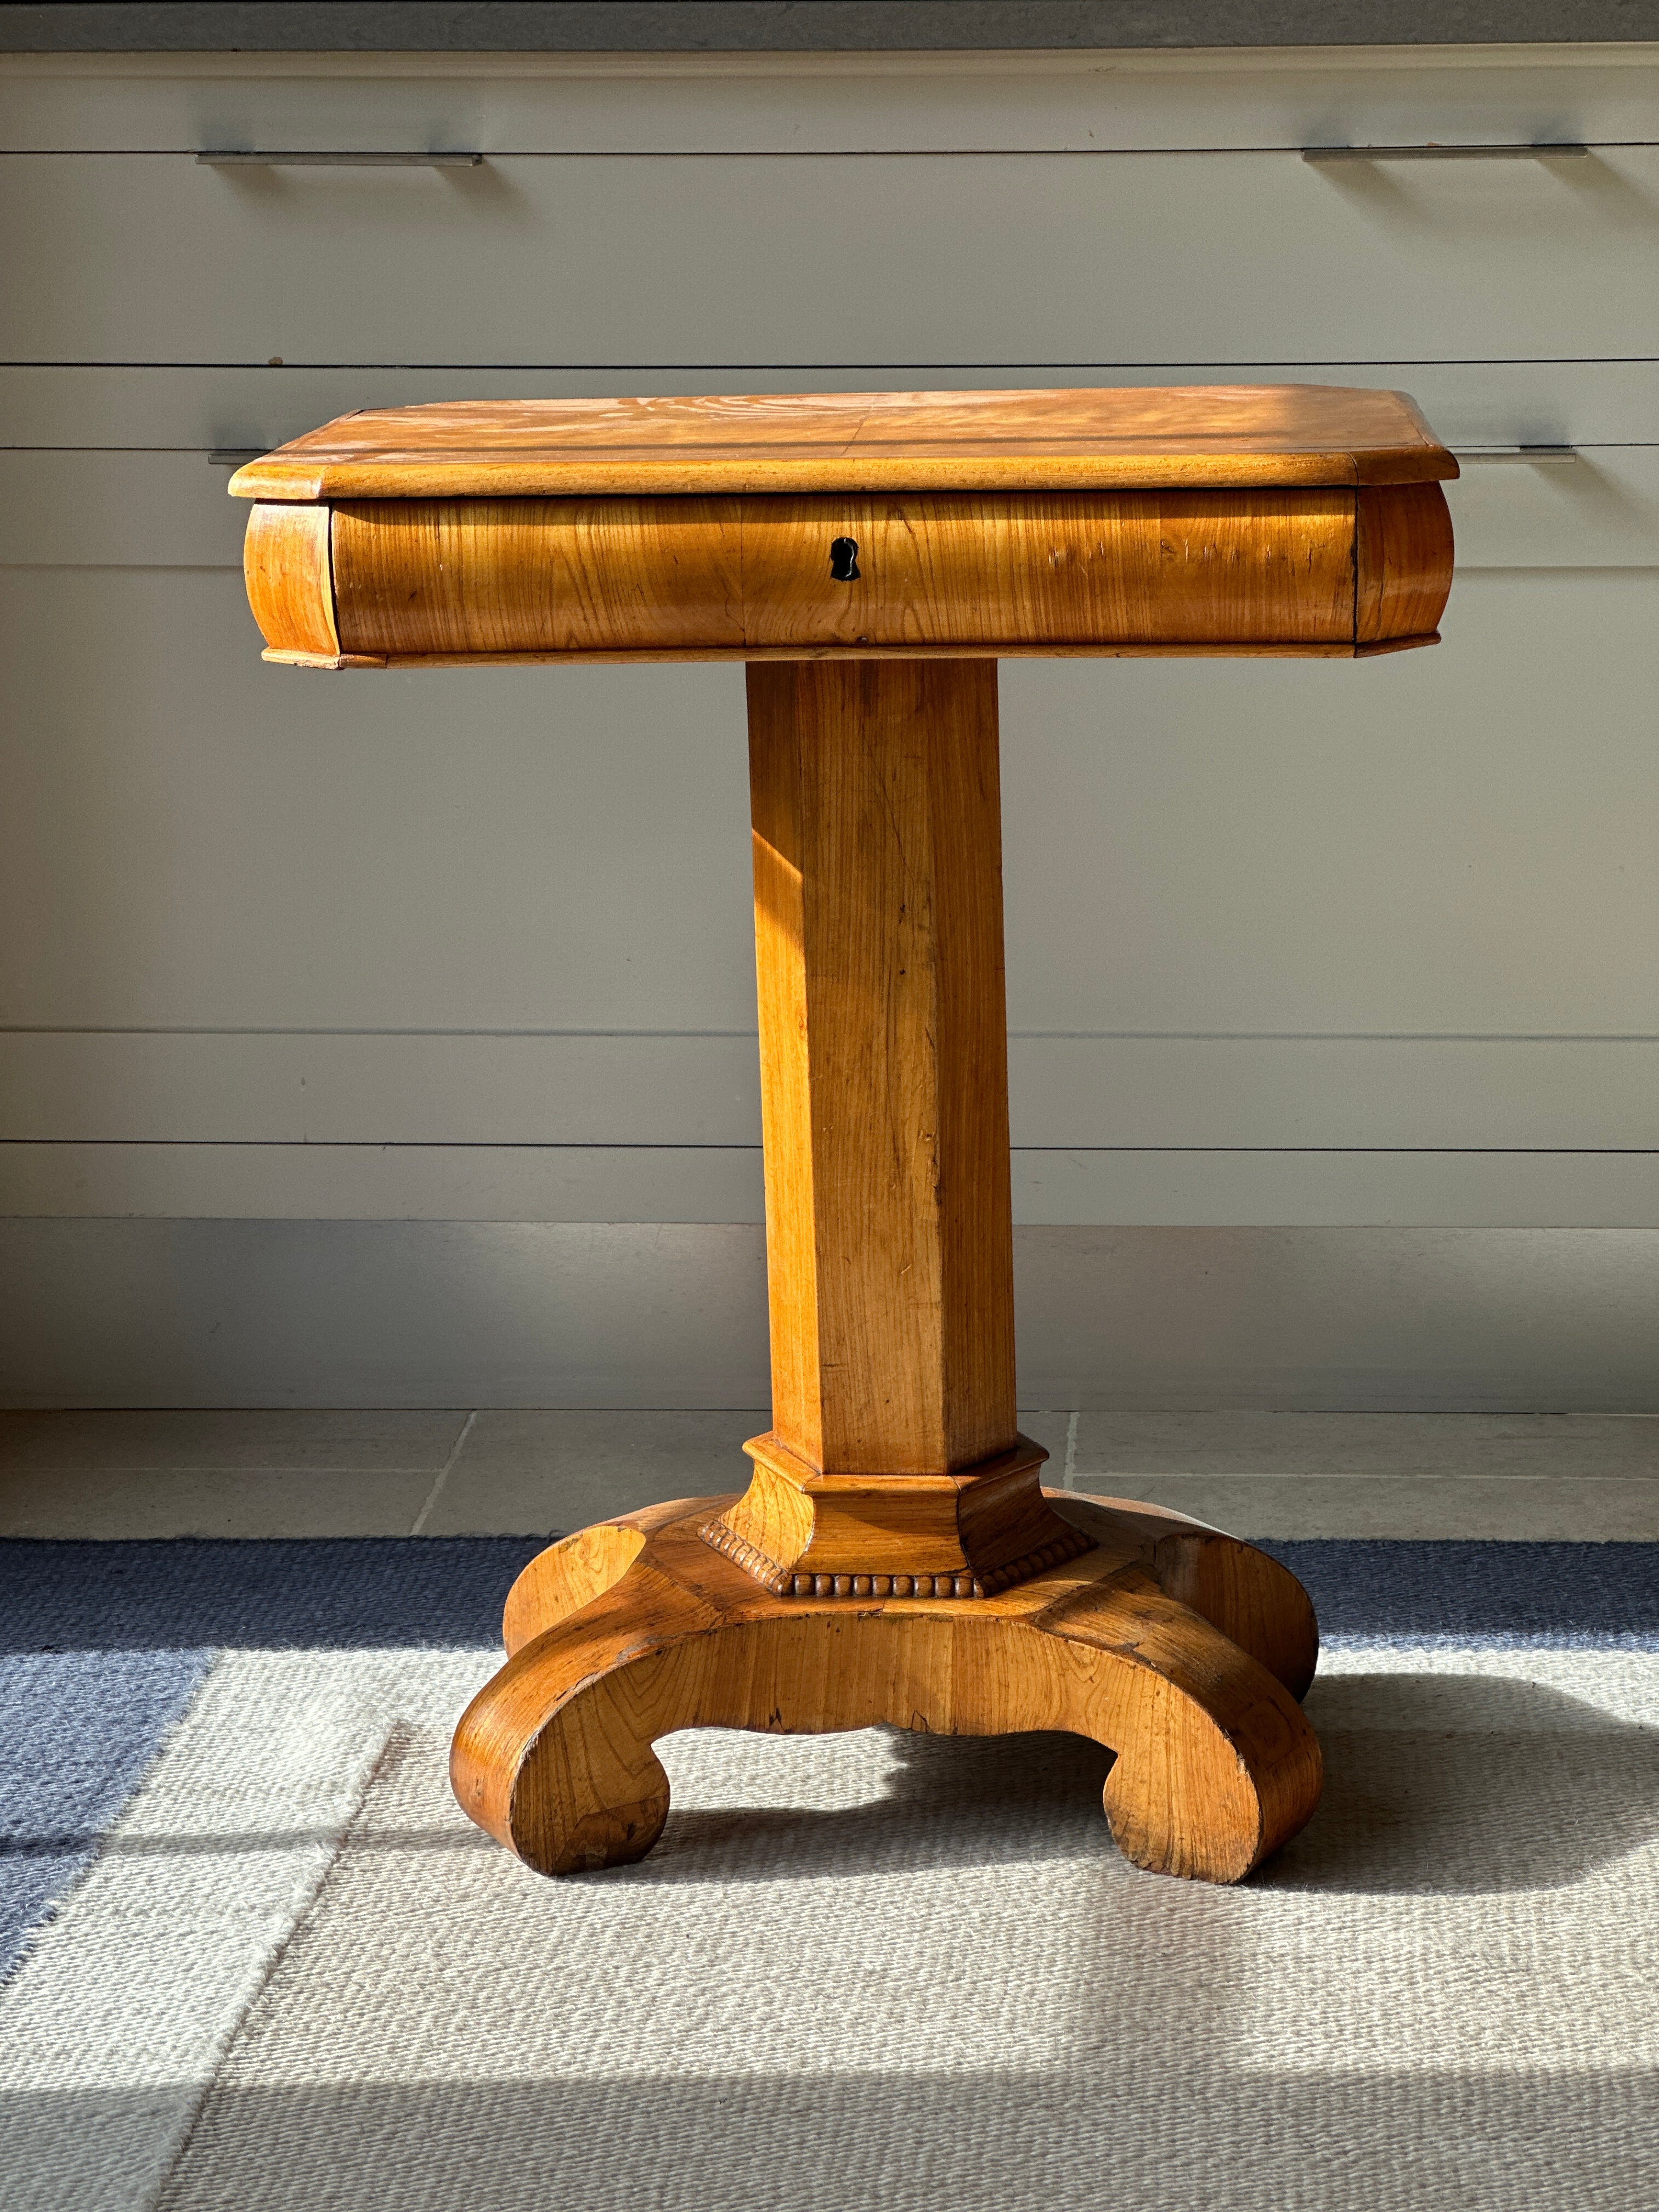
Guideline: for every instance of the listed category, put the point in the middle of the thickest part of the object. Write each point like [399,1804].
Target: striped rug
[253,1957]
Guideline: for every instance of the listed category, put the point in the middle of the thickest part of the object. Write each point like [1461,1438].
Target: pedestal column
[895,1452]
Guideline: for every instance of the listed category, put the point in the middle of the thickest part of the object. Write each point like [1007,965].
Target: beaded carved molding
[784,1581]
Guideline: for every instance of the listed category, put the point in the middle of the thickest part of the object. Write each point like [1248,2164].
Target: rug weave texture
[873,1970]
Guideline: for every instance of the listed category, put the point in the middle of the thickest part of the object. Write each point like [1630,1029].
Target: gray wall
[806,26]
[390,1039]
[360,1313]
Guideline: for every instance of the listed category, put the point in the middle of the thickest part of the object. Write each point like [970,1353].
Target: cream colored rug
[885,1971]
[258,1961]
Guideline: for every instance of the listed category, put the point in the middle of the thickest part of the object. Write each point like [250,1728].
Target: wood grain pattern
[876,807]
[1215,1767]
[1257,1602]
[1156,570]
[290,585]
[460,577]
[695,655]
[1403,556]
[1232,436]
[801,1533]
[908,534]
[895,1456]
[444,582]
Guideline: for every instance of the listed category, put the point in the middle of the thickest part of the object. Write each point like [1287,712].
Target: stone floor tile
[262,1438]
[151,1502]
[1560,1445]
[1590,1509]
[1051,1429]
[275,1473]
[522,1474]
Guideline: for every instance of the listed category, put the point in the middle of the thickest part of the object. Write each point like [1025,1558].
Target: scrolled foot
[553,1756]
[638,1627]
[1216,1766]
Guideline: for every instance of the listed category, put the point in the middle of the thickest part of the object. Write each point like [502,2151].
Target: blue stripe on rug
[312,1593]
[81,1729]
[1577,1596]
[364,1592]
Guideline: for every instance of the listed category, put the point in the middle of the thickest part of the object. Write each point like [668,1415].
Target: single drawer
[1322,571]
[818,261]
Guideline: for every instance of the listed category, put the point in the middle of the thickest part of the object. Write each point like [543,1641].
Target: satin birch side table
[895,1556]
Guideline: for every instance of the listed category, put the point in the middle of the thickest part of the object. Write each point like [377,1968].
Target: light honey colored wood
[877,829]
[895,1557]
[1257,520]
[1152,567]
[1252,1599]
[802,1533]
[290,588]
[877,818]
[411,582]
[1402,564]
[1158,569]
[1215,1766]
[694,655]
[1230,436]
[505,576]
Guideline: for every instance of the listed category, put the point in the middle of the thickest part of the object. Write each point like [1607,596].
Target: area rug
[258,1959]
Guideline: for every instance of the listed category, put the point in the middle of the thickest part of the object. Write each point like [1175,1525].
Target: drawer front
[531,575]
[1224,259]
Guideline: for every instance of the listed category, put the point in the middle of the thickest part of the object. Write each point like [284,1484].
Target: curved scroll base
[637,1627]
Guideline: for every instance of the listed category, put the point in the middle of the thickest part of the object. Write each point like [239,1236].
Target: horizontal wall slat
[127,510]
[351,1313]
[1450,1093]
[1453,842]
[1476,402]
[718,1183]
[378,1089]
[157,510]
[1144,257]
[1067,1093]
[1302,1189]
[785,102]
[404,1183]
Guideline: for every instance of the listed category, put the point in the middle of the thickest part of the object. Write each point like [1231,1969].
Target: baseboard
[367,1313]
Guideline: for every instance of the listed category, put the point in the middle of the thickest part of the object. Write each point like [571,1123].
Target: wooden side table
[895,1557]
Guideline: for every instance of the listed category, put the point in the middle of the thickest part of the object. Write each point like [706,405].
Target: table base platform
[1181,1650]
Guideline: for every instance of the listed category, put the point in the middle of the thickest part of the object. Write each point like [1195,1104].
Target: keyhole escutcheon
[844,560]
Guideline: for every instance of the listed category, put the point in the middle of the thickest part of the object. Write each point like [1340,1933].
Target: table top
[1198,436]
